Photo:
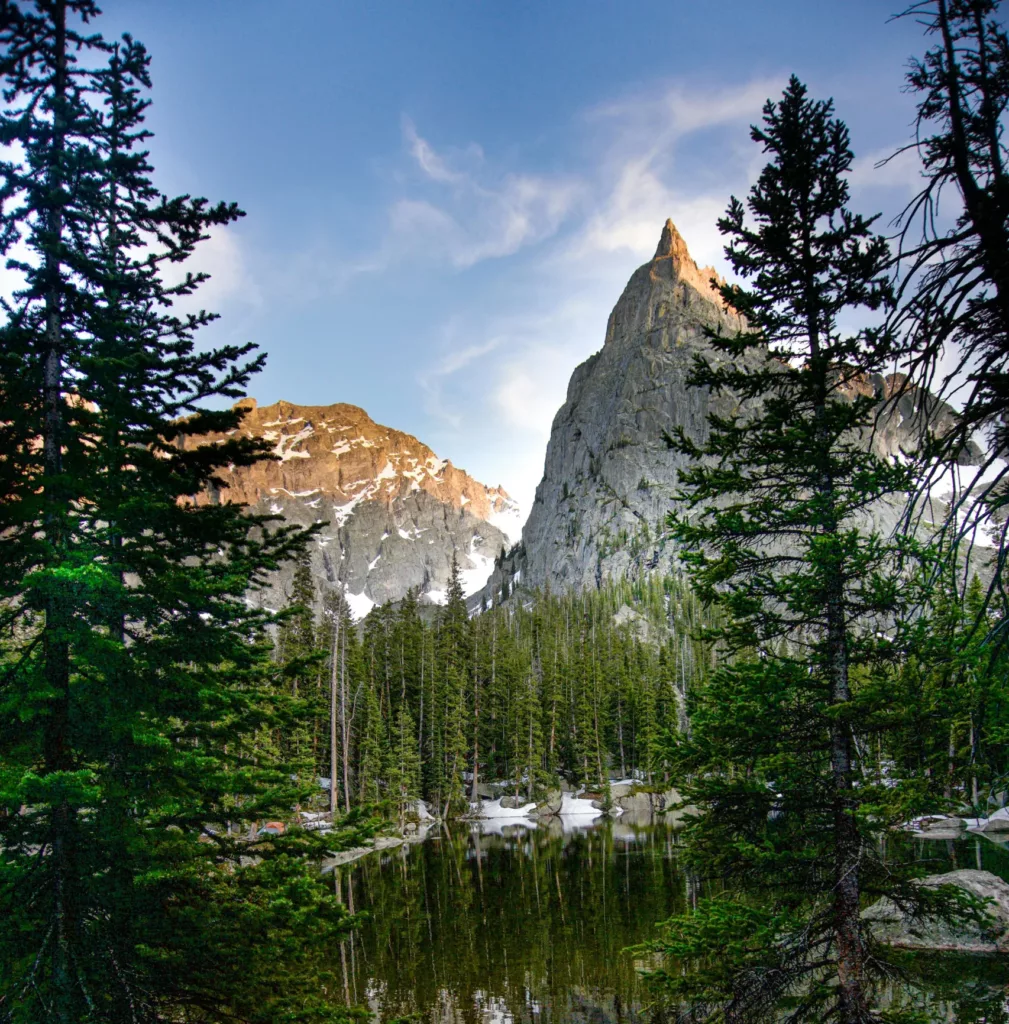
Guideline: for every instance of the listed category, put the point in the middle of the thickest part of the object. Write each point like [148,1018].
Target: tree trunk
[847,924]
[56,647]
[344,730]
[333,698]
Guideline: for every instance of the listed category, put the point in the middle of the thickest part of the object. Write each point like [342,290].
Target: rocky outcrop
[892,925]
[609,477]
[392,513]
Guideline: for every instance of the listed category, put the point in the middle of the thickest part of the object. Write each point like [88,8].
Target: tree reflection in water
[529,925]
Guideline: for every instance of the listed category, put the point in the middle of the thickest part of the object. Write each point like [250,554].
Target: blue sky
[445,199]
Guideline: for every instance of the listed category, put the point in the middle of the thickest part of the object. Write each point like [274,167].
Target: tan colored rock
[392,514]
[339,451]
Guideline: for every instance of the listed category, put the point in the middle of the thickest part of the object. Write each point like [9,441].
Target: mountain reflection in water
[511,923]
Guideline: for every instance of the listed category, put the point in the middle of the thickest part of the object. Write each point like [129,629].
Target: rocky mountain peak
[392,513]
[338,453]
[682,266]
[609,478]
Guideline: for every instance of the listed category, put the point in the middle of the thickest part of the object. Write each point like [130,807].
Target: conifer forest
[302,723]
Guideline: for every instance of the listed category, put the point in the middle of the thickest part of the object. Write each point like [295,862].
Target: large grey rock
[609,477]
[551,803]
[639,800]
[997,822]
[889,923]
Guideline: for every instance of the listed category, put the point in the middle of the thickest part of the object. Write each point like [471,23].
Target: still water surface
[529,926]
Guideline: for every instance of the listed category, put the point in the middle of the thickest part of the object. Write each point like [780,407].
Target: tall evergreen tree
[453,670]
[301,663]
[134,678]
[955,282]
[777,534]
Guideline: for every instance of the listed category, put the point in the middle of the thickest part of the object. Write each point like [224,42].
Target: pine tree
[453,669]
[135,679]
[955,282]
[777,535]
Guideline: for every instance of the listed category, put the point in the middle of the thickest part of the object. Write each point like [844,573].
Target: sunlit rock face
[609,476]
[393,514]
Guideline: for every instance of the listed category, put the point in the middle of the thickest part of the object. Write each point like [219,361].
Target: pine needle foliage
[134,679]
[954,290]
[777,533]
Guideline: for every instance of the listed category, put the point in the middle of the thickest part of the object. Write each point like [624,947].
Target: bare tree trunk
[847,845]
[951,764]
[344,729]
[474,795]
[334,671]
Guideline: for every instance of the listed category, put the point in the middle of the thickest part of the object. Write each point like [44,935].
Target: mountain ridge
[392,514]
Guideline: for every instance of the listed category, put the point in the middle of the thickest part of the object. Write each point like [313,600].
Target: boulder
[997,822]
[640,802]
[619,789]
[892,926]
[512,802]
[670,798]
[551,803]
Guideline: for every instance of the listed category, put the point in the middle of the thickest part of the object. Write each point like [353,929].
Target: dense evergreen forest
[586,687]
[582,687]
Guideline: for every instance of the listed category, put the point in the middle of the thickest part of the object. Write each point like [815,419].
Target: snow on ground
[493,809]
[576,806]
[509,521]
[341,513]
[474,578]
[436,596]
[359,604]
[285,444]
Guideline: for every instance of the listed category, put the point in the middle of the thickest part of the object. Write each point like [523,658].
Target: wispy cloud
[597,229]
[465,212]
[432,380]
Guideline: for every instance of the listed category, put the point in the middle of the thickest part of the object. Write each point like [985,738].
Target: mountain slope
[394,513]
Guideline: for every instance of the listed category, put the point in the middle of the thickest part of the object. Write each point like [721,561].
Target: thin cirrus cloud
[474,214]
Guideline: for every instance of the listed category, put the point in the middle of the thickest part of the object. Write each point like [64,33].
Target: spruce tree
[135,679]
[404,764]
[955,270]
[300,661]
[778,535]
[453,671]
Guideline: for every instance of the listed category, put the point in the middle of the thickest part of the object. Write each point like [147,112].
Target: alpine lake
[492,923]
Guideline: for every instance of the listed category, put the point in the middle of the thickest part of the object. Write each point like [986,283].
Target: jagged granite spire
[609,479]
